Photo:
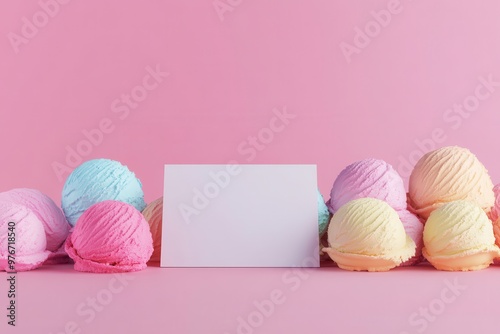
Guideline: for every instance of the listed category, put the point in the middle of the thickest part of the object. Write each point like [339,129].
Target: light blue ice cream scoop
[99,180]
[323,214]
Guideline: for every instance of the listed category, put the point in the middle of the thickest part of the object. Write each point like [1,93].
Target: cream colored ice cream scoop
[459,237]
[367,234]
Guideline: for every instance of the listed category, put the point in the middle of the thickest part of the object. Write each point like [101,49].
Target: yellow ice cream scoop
[367,234]
[459,237]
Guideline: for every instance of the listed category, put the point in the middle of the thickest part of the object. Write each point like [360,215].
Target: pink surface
[227,81]
[211,300]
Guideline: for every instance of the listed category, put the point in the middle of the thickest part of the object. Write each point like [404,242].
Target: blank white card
[240,216]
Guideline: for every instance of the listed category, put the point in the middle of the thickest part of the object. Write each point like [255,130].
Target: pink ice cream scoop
[55,225]
[415,229]
[110,237]
[154,215]
[368,178]
[495,211]
[495,217]
[20,227]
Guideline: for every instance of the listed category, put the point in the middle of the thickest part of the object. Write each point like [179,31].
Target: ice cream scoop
[22,236]
[99,180]
[495,210]
[495,217]
[367,234]
[58,256]
[323,220]
[368,178]
[55,225]
[110,237]
[458,236]
[323,215]
[446,175]
[153,213]
[414,228]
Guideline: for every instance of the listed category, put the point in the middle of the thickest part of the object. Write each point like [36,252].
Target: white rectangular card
[240,216]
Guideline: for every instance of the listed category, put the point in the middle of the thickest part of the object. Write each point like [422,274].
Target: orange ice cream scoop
[153,214]
[446,175]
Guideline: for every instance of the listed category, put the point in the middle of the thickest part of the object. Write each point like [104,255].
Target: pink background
[225,78]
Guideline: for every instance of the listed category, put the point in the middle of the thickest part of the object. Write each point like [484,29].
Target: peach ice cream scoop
[154,215]
[446,175]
